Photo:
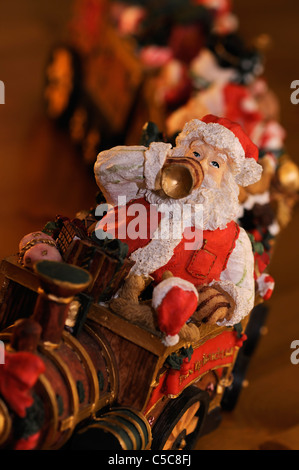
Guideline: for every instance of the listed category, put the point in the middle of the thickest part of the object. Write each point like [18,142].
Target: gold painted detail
[55,298]
[54,356]
[67,423]
[210,357]
[90,370]
[112,419]
[135,424]
[108,356]
[188,422]
[49,398]
[102,425]
[5,422]
[227,381]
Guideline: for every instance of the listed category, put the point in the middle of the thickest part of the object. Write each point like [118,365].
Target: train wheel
[186,425]
[180,424]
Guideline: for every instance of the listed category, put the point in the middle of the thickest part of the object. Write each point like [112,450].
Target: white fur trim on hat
[250,173]
[214,134]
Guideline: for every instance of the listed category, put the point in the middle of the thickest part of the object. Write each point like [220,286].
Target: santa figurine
[186,239]
[221,74]
[225,21]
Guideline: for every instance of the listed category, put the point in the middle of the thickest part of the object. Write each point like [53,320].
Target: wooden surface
[40,177]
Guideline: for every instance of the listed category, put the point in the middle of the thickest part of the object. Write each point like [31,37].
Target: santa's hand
[175,300]
[265,285]
[214,305]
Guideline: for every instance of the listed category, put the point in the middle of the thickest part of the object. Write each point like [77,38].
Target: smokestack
[59,282]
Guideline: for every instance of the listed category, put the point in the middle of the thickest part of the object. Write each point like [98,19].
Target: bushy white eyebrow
[223,156]
[196,142]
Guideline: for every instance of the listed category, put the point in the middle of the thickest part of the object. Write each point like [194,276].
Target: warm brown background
[268,409]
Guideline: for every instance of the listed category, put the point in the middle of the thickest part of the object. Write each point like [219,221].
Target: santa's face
[218,192]
[214,162]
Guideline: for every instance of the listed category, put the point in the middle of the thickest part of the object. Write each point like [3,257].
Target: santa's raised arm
[186,198]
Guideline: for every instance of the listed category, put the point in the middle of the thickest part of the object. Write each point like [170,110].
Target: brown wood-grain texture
[136,368]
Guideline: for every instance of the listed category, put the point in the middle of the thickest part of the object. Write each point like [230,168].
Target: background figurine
[37,246]
[221,74]
[212,281]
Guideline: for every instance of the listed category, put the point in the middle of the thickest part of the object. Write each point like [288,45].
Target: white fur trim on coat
[238,279]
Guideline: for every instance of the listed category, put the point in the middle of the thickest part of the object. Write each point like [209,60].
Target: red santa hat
[227,136]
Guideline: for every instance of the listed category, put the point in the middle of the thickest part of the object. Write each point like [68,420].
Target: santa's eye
[196,154]
[215,164]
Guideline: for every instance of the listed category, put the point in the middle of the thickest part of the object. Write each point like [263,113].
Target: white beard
[219,207]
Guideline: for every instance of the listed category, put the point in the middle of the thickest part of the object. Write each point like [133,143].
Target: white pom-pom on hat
[170,340]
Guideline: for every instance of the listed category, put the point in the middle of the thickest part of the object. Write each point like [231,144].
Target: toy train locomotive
[105,382]
[77,372]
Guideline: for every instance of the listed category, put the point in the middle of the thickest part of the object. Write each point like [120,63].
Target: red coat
[199,266]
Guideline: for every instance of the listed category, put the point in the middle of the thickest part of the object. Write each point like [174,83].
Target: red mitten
[175,300]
